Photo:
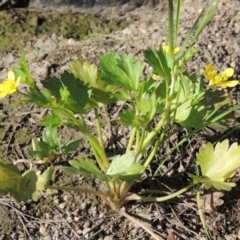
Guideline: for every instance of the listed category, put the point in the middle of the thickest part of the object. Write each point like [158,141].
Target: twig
[134,220]
[3,2]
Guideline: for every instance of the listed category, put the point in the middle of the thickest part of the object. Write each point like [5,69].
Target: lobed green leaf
[87,168]
[120,70]
[20,186]
[218,165]
[125,168]
[23,72]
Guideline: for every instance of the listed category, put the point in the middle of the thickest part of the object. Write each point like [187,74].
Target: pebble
[86,233]
[83,205]
[62,205]
[76,219]
[49,215]
[86,225]
[108,238]
[42,229]
[65,198]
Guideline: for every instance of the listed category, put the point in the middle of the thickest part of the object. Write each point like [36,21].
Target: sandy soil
[66,215]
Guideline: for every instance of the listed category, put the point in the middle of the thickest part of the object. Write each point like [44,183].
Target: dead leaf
[210,201]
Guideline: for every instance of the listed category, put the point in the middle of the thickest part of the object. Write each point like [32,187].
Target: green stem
[102,159]
[137,137]
[153,133]
[164,119]
[157,144]
[99,129]
[178,11]
[83,120]
[140,143]
[104,163]
[108,122]
[125,187]
[132,137]
[160,199]
[171,29]
[200,212]
[108,189]
[95,153]
[76,123]
[172,84]
[117,187]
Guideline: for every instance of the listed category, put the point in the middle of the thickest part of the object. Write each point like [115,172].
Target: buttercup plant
[171,93]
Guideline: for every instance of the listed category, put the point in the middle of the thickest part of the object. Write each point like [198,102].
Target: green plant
[170,93]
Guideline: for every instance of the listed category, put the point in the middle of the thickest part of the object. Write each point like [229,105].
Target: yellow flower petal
[229,84]
[2,95]
[3,91]
[11,75]
[18,81]
[9,86]
[167,49]
[229,72]
[176,50]
[155,77]
[221,79]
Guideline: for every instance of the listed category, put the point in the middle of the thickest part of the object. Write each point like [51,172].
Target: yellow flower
[167,49]
[221,79]
[9,86]
[156,77]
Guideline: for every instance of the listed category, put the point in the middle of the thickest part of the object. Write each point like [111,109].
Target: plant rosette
[170,94]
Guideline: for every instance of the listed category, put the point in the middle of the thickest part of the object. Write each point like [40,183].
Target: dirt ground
[49,50]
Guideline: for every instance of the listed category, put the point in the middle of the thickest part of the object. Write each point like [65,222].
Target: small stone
[21,235]
[62,205]
[83,206]
[86,225]
[209,46]
[101,215]
[42,229]
[13,235]
[108,238]
[71,42]
[76,219]
[66,231]
[24,208]
[87,233]
[126,31]
[56,201]
[65,198]
[76,213]
[233,64]
[49,216]
[38,213]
